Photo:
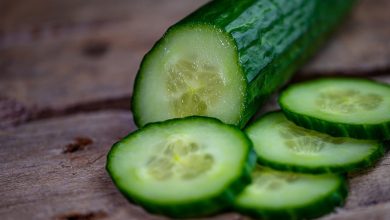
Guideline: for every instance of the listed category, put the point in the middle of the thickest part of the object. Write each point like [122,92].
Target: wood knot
[83,216]
[95,49]
[79,144]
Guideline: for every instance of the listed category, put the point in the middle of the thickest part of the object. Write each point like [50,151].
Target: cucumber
[282,145]
[341,107]
[228,56]
[285,195]
[186,167]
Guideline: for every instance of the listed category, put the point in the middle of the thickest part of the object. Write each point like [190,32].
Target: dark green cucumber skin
[322,206]
[379,131]
[368,162]
[273,39]
[359,131]
[199,208]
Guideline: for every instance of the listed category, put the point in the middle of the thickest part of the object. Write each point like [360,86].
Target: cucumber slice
[284,195]
[281,144]
[227,57]
[182,167]
[341,107]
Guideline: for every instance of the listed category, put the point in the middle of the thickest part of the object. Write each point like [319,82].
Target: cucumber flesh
[193,71]
[182,167]
[281,144]
[285,195]
[340,107]
[226,58]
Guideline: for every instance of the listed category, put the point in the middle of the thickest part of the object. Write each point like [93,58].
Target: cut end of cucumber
[193,70]
[193,87]
[179,158]
[347,101]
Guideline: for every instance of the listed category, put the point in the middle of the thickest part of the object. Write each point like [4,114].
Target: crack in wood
[82,216]
[120,103]
[12,112]
[96,159]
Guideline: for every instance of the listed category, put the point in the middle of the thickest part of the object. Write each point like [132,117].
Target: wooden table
[66,76]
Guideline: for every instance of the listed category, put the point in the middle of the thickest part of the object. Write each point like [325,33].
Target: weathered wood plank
[375,212]
[19,16]
[361,46]
[41,179]
[54,169]
[11,113]
[56,58]
[85,65]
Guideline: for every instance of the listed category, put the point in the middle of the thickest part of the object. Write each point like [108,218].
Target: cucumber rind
[319,207]
[301,38]
[368,161]
[202,207]
[379,131]
[336,129]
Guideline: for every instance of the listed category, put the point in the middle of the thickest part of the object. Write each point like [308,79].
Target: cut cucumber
[284,195]
[182,167]
[224,59]
[281,144]
[341,107]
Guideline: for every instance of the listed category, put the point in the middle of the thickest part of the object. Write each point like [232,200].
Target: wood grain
[54,169]
[360,47]
[61,58]
[57,70]
[18,16]
[42,179]
[84,56]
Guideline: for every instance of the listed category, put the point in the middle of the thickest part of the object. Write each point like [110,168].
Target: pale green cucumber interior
[179,162]
[193,70]
[279,140]
[271,189]
[340,100]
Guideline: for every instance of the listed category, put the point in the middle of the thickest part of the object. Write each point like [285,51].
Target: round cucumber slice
[281,144]
[193,70]
[182,167]
[285,195]
[341,107]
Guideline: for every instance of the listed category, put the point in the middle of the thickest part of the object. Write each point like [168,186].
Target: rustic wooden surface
[87,58]
[360,47]
[85,62]
[66,75]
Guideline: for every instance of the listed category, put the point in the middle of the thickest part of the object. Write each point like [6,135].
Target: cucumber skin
[213,205]
[318,208]
[336,129]
[266,66]
[359,131]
